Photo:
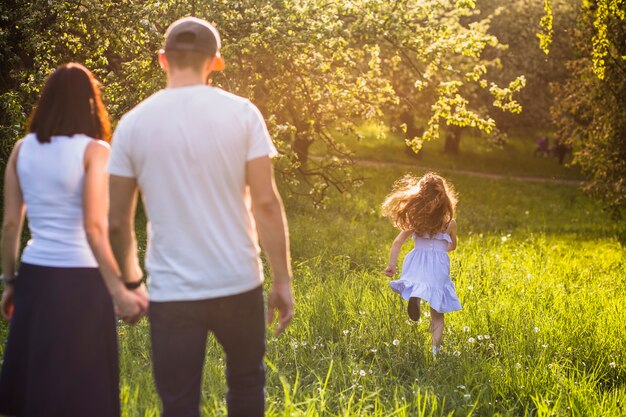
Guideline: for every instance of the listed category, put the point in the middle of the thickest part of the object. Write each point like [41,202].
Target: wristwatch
[133,285]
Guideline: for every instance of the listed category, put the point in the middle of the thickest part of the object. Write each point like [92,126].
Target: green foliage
[515,26]
[591,110]
[316,69]
[605,11]
[547,31]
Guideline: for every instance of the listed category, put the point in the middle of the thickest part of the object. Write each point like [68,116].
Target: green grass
[541,274]
[513,158]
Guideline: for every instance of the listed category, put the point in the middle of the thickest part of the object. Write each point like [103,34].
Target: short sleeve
[120,162]
[259,141]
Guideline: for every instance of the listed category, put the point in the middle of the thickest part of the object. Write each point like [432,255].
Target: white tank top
[51,177]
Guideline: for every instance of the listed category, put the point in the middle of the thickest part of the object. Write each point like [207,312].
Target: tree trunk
[453,140]
[301,148]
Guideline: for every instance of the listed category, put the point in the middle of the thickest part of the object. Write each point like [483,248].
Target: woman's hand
[131,305]
[390,270]
[6,304]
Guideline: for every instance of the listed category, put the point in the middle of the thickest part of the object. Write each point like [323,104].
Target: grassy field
[513,158]
[541,275]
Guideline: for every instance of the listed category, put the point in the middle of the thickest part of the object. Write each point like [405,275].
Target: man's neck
[185,78]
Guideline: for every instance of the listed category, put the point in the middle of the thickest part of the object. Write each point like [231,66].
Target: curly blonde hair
[424,206]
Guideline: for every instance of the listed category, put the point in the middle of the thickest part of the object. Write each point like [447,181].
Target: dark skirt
[61,354]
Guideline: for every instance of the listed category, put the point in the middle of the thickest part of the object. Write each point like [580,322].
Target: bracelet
[133,285]
[8,282]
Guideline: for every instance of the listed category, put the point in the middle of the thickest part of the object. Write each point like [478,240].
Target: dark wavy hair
[424,206]
[70,104]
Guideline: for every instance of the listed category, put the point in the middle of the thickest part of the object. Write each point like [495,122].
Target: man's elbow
[266,206]
[118,227]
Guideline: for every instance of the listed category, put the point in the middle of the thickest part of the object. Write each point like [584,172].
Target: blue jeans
[179,331]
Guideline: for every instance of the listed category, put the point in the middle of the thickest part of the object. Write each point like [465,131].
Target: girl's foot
[436,350]
[413,309]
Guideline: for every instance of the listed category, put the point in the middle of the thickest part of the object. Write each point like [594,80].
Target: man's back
[187,148]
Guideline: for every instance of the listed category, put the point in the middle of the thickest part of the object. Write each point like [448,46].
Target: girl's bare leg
[436,328]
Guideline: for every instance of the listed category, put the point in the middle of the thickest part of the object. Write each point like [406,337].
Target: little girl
[424,209]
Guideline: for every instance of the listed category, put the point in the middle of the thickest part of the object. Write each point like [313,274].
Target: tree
[516,24]
[590,109]
[316,69]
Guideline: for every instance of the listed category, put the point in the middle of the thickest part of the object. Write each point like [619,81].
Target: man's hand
[6,304]
[131,305]
[280,299]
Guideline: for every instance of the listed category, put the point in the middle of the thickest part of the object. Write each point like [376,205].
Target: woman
[61,353]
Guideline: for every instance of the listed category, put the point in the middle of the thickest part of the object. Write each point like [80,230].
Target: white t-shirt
[187,148]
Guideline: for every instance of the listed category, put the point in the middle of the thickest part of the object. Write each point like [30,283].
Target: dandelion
[471,340]
[487,337]
[518,365]
[345,332]
[467,396]
[466,329]
[479,337]
[536,330]
[295,345]
[470,288]
[395,342]
[456,353]
[612,365]
[461,387]
[362,312]
[545,345]
[527,212]
[503,239]
[362,372]
[374,350]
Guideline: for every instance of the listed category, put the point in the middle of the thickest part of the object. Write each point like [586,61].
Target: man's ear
[216,63]
[165,66]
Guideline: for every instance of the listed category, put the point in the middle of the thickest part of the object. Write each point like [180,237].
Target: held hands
[390,270]
[281,299]
[131,305]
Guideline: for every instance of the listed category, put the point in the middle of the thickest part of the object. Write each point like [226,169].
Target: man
[201,158]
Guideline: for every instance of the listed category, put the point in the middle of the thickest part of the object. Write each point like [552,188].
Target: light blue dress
[426,274]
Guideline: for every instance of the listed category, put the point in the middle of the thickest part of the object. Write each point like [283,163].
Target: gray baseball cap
[197,35]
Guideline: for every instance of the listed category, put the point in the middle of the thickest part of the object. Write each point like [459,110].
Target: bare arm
[452,232]
[271,221]
[395,251]
[95,205]
[12,223]
[123,203]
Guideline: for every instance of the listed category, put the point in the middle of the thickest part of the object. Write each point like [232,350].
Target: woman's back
[51,178]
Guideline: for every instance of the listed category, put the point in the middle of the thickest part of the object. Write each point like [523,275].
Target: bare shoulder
[98,147]
[15,152]
[97,151]
[452,226]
